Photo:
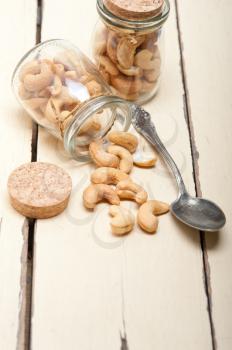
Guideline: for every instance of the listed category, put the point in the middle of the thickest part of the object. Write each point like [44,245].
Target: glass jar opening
[93,121]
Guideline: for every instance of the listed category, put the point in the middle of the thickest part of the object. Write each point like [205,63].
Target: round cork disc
[39,190]
[134,9]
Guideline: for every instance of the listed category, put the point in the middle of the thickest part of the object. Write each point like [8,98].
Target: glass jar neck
[134,25]
[119,115]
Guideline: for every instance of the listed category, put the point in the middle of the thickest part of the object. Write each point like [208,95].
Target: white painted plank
[89,287]
[207,41]
[17,32]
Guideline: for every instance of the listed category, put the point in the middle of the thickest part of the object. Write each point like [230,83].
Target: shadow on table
[212,239]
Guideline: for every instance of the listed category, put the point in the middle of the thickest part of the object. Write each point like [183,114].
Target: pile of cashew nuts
[130,63]
[53,89]
[111,182]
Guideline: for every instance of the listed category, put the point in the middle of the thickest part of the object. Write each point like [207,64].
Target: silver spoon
[198,213]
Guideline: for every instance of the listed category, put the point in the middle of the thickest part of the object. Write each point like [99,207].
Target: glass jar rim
[85,112]
[143,25]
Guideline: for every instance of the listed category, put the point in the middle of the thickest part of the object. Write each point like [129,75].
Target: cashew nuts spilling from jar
[101,157]
[124,139]
[127,189]
[109,176]
[122,221]
[147,215]
[126,159]
[94,194]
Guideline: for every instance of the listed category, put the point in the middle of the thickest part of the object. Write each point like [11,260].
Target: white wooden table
[66,283]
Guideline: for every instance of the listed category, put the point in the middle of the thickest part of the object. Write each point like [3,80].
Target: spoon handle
[141,120]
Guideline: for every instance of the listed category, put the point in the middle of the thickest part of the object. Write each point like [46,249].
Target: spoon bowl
[198,213]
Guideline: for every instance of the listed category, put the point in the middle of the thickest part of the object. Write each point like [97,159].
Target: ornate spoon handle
[141,121]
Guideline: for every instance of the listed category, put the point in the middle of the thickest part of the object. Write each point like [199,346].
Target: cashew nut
[150,42]
[94,194]
[144,159]
[94,88]
[132,71]
[127,189]
[44,93]
[147,218]
[127,85]
[65,97]
[147,87]
[23,93]
[64,119]
[152,75]
[126,159]
[130,97]
[59,70]
[101,157]
[109,176]
[124,139]
[108,65]
[91,126]
[71,74]
[84,79]
[36,102]
[56,87]
[62,58]
[105,74]
[123,220]
[32,67]
[126,50]
[145,60]
[37,82]
[52,110]
[111,49]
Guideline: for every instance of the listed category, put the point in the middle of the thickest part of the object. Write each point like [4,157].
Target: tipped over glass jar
[128,46]
[64,92]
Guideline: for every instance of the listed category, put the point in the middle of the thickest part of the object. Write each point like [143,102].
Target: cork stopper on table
[39,190]
[134,9]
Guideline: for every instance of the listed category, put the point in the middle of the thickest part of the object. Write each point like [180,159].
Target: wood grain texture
[207,41]
[17,28]
[93,291]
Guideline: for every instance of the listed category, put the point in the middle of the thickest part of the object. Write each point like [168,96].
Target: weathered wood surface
[207,40]
[92,291]
[18,32]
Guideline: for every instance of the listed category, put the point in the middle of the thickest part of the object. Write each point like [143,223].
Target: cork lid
[39,190]
[134,9]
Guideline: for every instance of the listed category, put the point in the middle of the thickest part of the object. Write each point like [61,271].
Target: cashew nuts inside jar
[128,46]
[62,90]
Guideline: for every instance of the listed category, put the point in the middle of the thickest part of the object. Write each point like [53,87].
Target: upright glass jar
[129,52]
[64,92]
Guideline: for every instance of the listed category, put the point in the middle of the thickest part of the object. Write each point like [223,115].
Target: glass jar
[63,91]
[129,53]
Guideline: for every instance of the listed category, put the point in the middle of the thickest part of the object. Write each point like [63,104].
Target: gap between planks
[196,177]
[28,231]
